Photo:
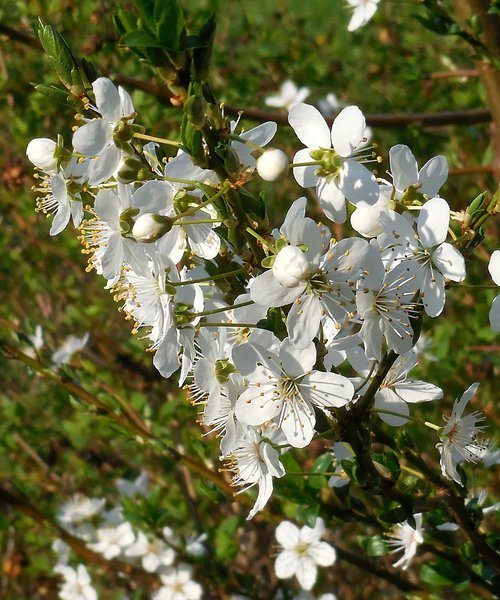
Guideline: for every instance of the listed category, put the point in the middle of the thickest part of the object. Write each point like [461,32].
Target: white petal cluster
[260,344]
[302,552]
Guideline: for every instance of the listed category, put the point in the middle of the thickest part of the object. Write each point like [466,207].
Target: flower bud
[365,220]
[272,164]
[40,152]
[291,267]
[150,227]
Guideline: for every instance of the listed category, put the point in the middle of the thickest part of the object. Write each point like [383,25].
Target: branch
[459,117]
[76,544]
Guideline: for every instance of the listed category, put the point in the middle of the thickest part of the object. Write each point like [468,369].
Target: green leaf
[442,573]
[140,38]
[169,23]
[226,547]
[308,514]
[146,9]
[376,546]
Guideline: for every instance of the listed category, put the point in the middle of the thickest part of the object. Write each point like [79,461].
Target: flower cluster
[107,532]
[269,331]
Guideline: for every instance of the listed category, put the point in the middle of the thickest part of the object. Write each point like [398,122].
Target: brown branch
[459,117]
[471,170]
[454,73]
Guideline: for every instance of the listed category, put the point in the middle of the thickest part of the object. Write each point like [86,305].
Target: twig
[454,73]
[459,117]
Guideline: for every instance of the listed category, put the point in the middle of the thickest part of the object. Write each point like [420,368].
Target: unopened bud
[40,152]
[291,267]
[272,164]
[151,227]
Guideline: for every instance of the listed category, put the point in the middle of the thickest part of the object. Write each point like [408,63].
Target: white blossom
[331,161]
[302,552]
[462,438]
[405,538]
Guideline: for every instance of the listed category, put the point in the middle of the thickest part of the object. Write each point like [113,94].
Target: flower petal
[387,399]
[286,564]
[433,222]
[450,262]
[433,175]
[348,130]
[358,184]
[403,167]
[332,200]
[323,554]
[309,126]
[107,99]
[287,535]
[91,139]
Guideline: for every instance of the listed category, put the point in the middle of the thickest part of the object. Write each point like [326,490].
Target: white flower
[112,541]
[341,451]
[61,195]
[302,552]
[77,583]
[154,555]
[494,269]
[177,584]
[363,12]
[78,508]
[405,173]
[406,539]
[289,95]
[436,259]
[462,437]
[108,236]
[40,152]
[386,311]
[334,167]
[396,390]
[255,463]
[272,164]
[329,105]
[95,138]
[286,388]
[71,345]
[138,486]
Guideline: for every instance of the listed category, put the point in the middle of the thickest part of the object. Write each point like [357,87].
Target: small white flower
[406,539]
[154,555]
[177,584]
[462,437]
[302,552]
[77,583]
[396,391]
[289,95]
[71,345]
[78,508]
[405,173]
[112,541]
[95,139]
[255,462]
[331,159]
[286,388]
[436,259]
